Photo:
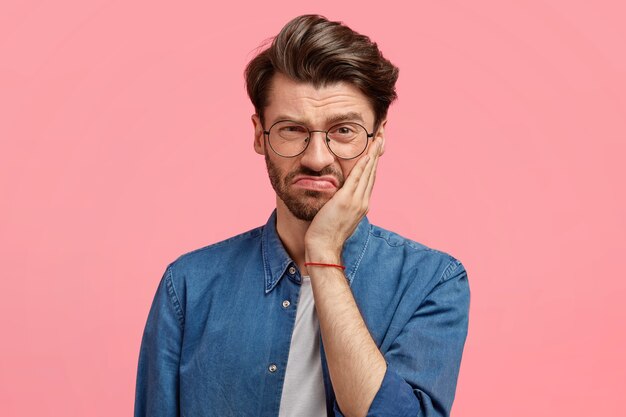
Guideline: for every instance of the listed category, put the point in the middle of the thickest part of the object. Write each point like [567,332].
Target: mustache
[306,171]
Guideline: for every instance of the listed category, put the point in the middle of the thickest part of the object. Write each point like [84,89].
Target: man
[318,312]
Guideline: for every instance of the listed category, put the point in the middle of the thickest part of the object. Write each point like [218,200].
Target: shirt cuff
[395,397]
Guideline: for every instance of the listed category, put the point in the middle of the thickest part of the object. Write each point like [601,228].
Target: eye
[293,128]
[343,131]
[290,130]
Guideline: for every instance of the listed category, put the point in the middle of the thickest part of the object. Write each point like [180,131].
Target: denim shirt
[217,337]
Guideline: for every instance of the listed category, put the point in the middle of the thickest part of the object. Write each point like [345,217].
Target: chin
[305,208]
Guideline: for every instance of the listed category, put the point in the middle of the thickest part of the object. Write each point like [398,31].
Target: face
[303,184]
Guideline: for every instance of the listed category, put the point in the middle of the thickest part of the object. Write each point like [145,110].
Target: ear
[380,135]
[259,137]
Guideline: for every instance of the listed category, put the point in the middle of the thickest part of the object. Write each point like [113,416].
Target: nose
[317,155]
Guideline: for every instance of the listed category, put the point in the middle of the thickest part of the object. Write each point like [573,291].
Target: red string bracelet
[322,264]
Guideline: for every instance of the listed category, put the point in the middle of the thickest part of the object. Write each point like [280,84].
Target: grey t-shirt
[303,390]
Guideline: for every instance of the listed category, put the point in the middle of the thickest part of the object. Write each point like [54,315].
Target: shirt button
[286,303]
[292,270]
[273,368]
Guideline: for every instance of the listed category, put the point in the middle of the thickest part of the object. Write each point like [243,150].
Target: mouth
[316,183]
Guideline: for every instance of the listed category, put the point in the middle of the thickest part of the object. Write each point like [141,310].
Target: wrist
[325,265]
[322,255]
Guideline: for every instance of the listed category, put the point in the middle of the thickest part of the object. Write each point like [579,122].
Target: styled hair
[312,49]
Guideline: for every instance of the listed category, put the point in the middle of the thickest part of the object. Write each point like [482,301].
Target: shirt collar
[276,260]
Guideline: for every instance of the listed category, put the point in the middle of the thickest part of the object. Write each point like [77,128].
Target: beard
[303,204]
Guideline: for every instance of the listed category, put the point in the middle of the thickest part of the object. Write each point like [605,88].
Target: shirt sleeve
[423,362]
[157,389]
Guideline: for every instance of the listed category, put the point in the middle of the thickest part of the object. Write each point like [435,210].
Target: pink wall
[126,141]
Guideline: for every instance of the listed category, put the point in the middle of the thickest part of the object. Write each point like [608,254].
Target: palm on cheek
[338,218]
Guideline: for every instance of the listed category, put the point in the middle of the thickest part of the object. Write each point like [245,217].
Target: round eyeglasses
[345,140]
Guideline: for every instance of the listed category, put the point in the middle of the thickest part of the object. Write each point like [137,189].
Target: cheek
[280,168]
[346,167]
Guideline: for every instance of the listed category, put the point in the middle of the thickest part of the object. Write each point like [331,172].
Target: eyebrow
[337,118]
[350,116]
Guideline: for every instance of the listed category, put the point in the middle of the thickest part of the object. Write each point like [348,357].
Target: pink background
[126,141]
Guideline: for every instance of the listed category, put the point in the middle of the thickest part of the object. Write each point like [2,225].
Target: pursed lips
[324,182]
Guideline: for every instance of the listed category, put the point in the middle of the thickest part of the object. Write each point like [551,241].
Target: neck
[291,231]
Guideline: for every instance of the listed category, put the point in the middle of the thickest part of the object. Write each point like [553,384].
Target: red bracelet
[322,264]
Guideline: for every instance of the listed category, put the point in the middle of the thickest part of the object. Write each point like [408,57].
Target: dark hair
[312,49]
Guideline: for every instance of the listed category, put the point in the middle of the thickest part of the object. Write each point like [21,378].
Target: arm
[355,364]
[418,374]
[157,389]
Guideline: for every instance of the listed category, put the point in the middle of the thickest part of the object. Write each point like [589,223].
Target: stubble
[303,204]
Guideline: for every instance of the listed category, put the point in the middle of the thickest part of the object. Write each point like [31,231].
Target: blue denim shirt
[217,337]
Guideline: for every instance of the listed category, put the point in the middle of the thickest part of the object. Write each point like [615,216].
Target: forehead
[315,105]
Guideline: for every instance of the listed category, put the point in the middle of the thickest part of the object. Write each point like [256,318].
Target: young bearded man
[318,312]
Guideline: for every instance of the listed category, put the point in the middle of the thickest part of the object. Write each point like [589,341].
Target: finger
[356,173]
[360,171]
[372,179]
[369,171]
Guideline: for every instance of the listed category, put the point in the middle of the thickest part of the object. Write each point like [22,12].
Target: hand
[339,217]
